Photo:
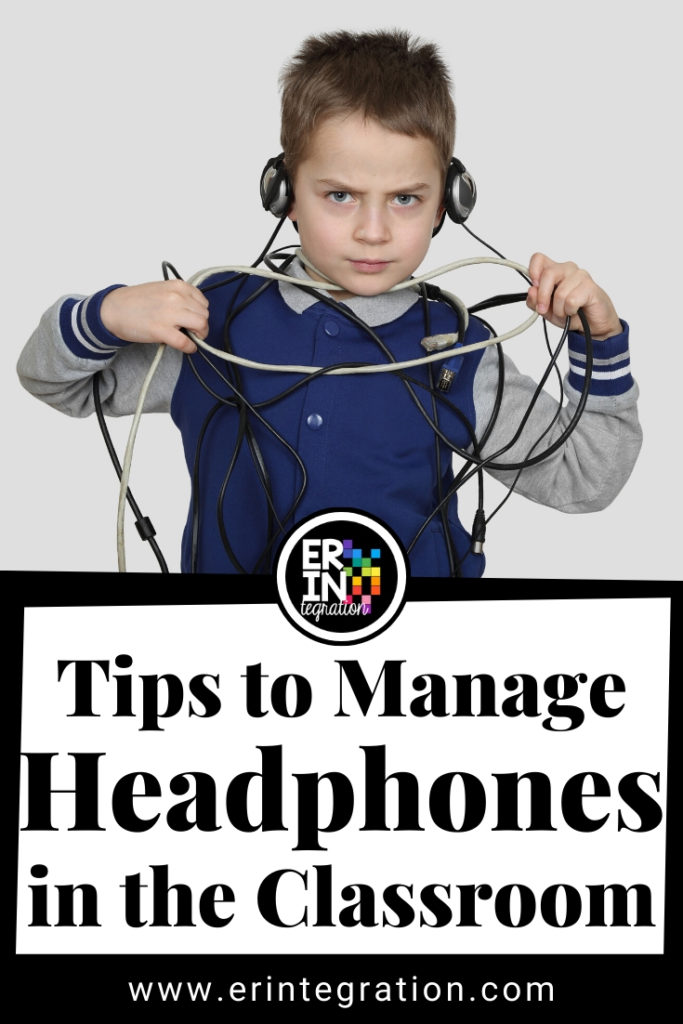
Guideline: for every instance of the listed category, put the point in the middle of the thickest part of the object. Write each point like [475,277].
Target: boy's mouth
[370,266]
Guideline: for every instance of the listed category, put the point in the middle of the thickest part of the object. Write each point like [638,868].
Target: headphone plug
[478,532]
[448,374]
[450,366]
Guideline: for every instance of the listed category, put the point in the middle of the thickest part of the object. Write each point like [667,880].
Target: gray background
[137,132]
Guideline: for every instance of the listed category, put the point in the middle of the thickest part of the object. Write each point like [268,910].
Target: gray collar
[374,310]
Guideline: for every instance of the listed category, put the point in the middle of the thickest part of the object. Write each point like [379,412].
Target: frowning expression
[366,201]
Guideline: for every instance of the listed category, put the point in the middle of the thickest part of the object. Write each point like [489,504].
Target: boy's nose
[372,224]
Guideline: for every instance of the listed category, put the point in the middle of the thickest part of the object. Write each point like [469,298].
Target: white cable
[251,364]
[375,367]
[202,275]
[461,308]
[325,281]
[128,458]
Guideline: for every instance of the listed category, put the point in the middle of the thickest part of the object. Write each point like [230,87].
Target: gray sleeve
[589,469]
[49,370]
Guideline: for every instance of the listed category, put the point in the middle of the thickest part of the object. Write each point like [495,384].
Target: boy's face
[366,202]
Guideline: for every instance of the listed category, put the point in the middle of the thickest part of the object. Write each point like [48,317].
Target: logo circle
[341,576]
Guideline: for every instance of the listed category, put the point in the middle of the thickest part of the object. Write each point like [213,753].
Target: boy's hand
[155,312]
[558,290]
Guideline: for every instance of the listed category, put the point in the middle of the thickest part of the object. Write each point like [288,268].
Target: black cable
[351,316]
[308,377]
[221,497]
[258,461]
[526,278]
[497,300]
[194,549]
[488,463]
[454,564]
[570,427]
[478,462]
[473,461]
[245,428]
[142,522]
[575,418]
[253,409]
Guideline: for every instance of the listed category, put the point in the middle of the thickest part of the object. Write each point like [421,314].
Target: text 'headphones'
[460,192]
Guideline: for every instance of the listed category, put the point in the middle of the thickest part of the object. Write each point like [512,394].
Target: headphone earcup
[276,189]
[460,193]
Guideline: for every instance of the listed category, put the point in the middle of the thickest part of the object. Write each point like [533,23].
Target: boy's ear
[291,213]
[439,219]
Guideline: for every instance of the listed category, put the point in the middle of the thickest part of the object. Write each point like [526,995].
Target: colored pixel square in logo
[365,573]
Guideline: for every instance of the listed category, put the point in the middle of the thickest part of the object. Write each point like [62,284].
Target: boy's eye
[402,199]
[339,197]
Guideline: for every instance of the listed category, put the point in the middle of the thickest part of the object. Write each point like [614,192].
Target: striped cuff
[82,329]
[611,366]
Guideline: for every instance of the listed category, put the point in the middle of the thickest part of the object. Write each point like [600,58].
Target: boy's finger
[196,319]
[546,286]
[174,337]
[199,297]
[566,302]
[537,264]
[573,292]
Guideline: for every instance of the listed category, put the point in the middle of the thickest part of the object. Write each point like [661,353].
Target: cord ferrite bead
[145,528]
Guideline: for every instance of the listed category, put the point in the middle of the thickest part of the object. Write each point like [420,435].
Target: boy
[367,136]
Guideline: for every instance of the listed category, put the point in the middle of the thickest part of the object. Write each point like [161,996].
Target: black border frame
[80,986]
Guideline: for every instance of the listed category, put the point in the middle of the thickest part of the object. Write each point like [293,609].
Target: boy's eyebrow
[339,186]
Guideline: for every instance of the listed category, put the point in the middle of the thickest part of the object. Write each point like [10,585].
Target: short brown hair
[400,82]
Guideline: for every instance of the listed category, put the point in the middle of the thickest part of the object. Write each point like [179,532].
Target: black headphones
[276,190]
[460,192]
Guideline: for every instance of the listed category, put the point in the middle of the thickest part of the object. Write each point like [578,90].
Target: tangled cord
[474,462]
